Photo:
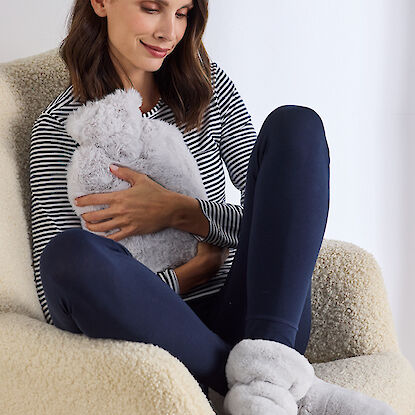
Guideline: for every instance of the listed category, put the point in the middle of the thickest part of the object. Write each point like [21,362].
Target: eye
[181,15]
[150,10]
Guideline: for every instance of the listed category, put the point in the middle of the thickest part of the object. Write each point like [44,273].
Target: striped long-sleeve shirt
[227,135]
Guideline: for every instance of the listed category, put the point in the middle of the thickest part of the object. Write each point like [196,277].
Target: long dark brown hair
[184,79]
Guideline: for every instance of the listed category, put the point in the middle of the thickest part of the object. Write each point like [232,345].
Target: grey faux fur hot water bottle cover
[112,130]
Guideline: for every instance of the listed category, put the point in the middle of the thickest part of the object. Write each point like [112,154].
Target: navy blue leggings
[94,286]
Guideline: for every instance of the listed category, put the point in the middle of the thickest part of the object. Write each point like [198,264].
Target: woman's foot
[325,398]
[259,398]
[269,361]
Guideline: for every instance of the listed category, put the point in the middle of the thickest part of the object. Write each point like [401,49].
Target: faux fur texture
[324,398]
[259,398]
[270,362]
[112,130]
[269,377]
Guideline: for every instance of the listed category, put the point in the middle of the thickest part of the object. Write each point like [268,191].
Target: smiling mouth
[157,49]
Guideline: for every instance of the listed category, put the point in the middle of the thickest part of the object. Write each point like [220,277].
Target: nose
[167,28]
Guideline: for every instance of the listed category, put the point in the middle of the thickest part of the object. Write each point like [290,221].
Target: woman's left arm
[210,221]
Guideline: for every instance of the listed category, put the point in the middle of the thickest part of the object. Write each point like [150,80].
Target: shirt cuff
[213,233]
[170,278]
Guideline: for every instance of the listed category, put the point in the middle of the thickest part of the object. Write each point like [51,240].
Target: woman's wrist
[187,215]
[194,272]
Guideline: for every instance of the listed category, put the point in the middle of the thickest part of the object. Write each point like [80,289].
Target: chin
[146,64]
[154,63]
[153,66]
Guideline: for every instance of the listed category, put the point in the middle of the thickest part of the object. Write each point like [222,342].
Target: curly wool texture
[113,130]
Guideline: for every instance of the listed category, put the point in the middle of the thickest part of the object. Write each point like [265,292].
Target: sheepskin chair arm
[45,370]
[353,340]
[351,315]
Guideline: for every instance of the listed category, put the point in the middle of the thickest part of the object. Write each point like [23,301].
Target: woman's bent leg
[94,286]
[267,294]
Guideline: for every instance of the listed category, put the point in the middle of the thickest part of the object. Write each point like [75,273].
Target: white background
[353,63]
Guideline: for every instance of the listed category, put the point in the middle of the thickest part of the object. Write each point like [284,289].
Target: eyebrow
[165,3]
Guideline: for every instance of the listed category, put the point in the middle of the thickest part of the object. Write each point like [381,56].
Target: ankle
[265,329]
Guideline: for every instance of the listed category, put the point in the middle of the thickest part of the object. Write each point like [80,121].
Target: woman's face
[131,23]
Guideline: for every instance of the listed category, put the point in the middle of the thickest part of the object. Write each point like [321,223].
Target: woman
[251,277]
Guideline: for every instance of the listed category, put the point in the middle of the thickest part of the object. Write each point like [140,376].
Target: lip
[154,52]
[155,47]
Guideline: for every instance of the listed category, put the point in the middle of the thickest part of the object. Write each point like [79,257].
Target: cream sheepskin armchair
[45,370]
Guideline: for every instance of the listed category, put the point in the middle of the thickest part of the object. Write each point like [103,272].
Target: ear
[99,7]
[124,105]
[133,101]
[77,121]
[90,123]
[98,119]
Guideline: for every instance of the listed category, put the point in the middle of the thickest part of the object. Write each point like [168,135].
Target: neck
[145,85]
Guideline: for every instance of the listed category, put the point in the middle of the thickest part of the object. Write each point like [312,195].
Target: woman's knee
[63,252]
[66,241]
[294,115]
[298,127]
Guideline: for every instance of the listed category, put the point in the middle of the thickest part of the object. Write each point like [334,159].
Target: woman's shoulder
[61,106]
[51,122]
[221,81]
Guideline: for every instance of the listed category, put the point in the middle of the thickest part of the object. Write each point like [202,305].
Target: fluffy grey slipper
[270,361]
[259,398]
[325,398]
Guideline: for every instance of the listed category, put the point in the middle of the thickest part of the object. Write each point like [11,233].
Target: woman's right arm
[51,149]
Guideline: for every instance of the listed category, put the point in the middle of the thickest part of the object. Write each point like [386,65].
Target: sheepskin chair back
[27,86]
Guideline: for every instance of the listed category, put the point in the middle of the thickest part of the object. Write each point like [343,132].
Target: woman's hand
[214,255]
[202,267]
[141,209]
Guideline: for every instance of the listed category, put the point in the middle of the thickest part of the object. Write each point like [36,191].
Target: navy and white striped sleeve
[51,211]
[170,278]
[237,140]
